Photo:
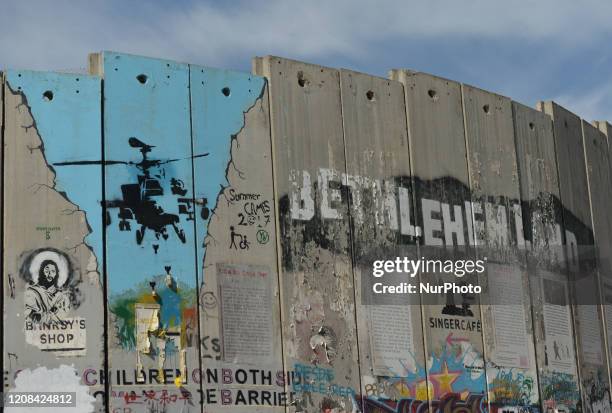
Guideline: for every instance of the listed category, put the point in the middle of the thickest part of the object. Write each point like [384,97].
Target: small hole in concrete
[48,96]
[19,75]
[565,124]
[432,94]
[77,91]
[77,79]
[370,95]
[142,78]
[486,108]
[226,91]
[531,126]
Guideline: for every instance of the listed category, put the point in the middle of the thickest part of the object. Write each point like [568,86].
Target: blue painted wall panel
[70,125]
[239,310]
[150,235]
[217,118]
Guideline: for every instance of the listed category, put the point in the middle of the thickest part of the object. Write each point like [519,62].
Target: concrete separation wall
[178,238]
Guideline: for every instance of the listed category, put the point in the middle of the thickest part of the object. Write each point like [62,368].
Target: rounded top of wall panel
[229,84]
[407,75]
[490,102]
[562,117]
[53,86]
[532,119]
[427,88]
[591,129]
[305,75]
[108,54]
[139,74]
[369,88]
[604,126]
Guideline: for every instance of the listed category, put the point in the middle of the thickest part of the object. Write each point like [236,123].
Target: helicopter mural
[139,203]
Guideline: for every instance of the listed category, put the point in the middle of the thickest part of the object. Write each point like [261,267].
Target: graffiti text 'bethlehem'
[443,224]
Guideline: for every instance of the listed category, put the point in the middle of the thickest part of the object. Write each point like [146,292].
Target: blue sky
[529,50]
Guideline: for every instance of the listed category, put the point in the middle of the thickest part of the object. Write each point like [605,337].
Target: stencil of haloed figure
[45,299]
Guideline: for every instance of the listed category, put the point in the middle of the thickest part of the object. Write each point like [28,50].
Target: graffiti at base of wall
[597,393]
[250,386]
[450,403]
[559,392]
[512,387]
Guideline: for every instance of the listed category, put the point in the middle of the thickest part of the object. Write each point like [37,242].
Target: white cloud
[592,104]
[61,32]
[58,34]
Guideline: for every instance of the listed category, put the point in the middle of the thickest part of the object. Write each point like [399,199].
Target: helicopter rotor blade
[69,163]
[182,159]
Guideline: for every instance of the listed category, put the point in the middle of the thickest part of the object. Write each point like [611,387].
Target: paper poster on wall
[559,355]
[510,332]
[147,322]
[65,338]
[245,293]
[590,334]
[607,294]
[589,321]
[391,339]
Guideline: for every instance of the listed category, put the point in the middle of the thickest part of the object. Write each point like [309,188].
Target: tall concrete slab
[599,180]
[2,378]
[316,279]
[4,372]
[499,238]
[598,174]
[53,289]
[150,235]
[378,176]
[548,283]
[605,127]
[239,313]
[606,284]
[451,322]
[581,254]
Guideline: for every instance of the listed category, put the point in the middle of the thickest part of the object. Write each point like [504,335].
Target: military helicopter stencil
[138,199]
